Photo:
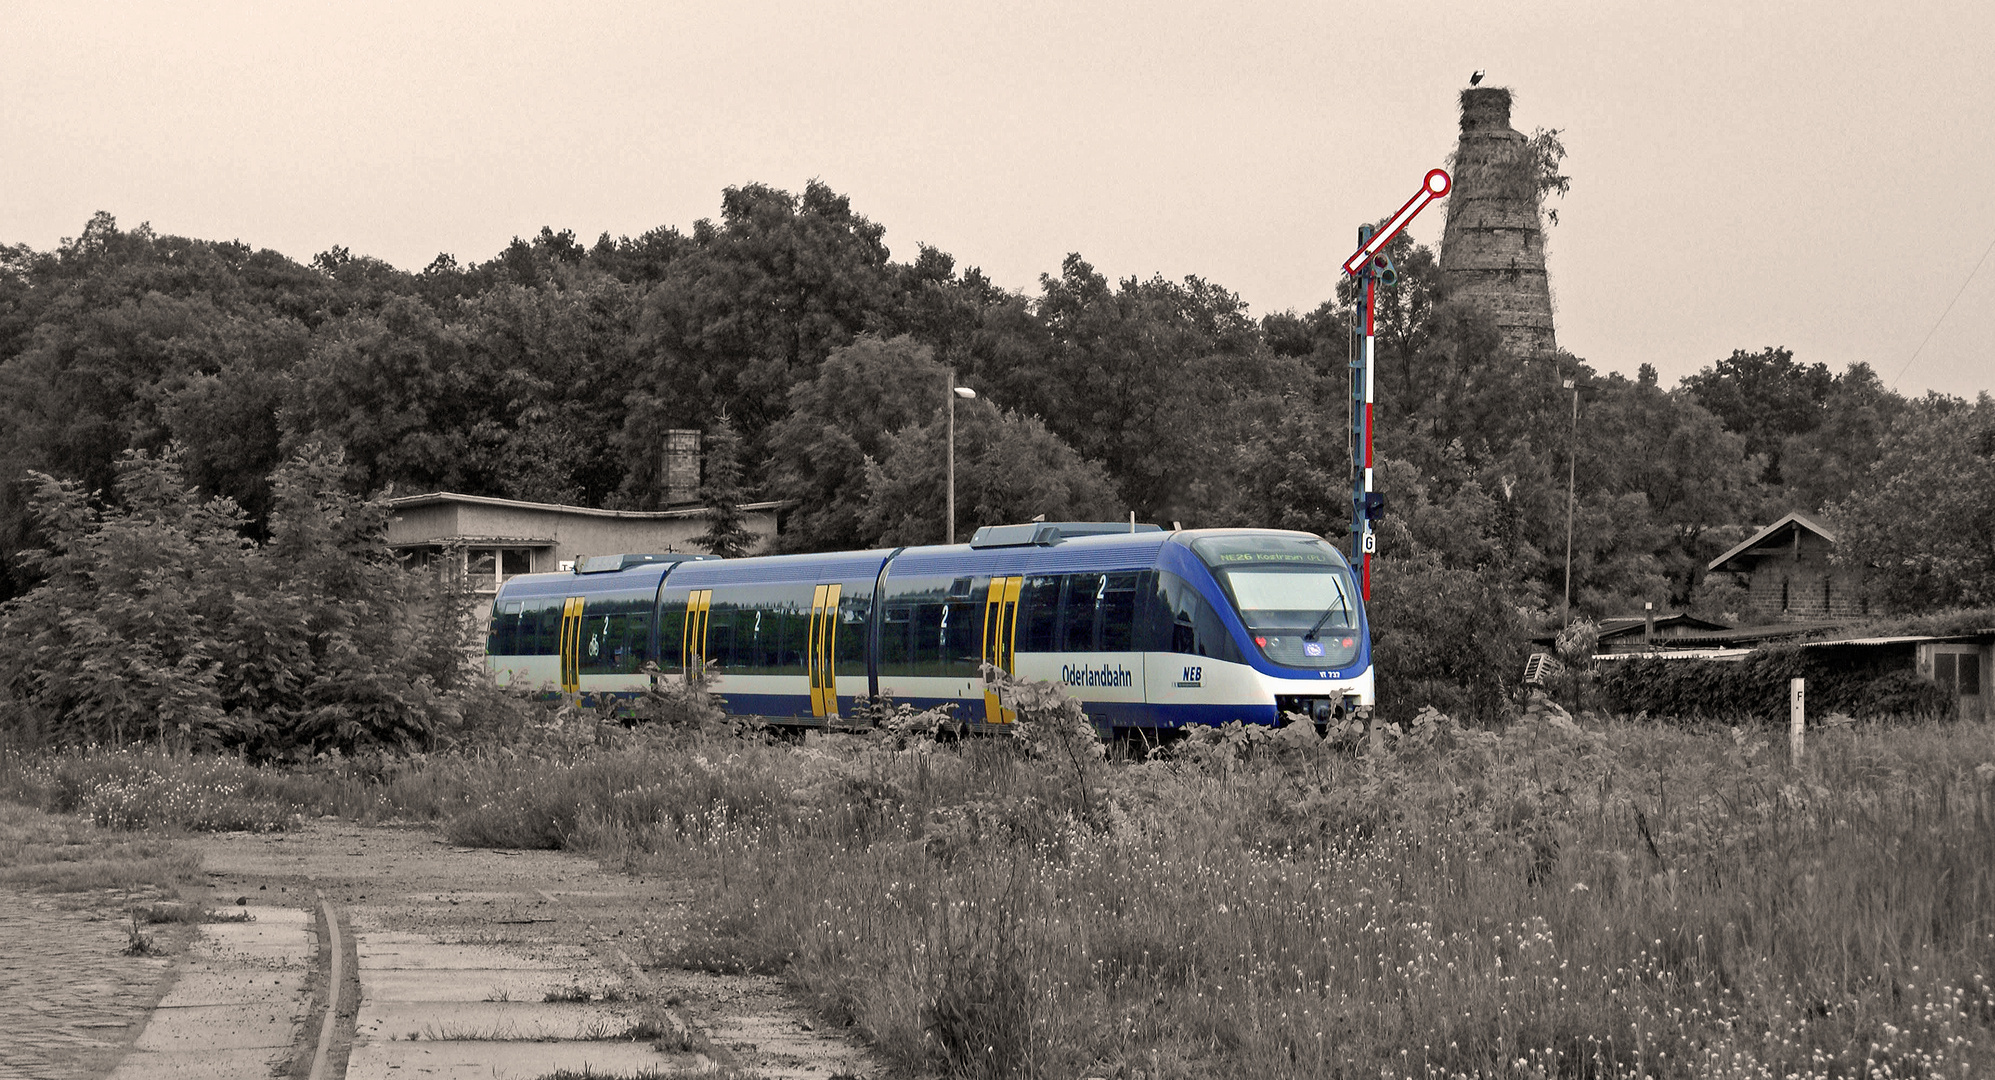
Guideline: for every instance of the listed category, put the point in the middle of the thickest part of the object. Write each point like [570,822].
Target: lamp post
[966,394]
[1572,476]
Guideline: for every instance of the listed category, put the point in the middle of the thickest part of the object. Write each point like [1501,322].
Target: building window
[1959,673]
[488,568]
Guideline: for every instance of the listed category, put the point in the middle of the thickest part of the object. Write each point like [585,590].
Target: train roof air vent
[1048,533]
[605,564]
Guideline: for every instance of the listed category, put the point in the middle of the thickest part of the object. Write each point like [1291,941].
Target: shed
[498,538]
[1788,573]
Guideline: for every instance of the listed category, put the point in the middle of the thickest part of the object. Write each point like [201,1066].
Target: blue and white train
[1150,630]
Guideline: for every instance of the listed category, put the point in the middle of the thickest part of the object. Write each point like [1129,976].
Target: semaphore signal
[1370,265]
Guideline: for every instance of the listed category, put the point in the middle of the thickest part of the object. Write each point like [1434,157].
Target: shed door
[1958,670]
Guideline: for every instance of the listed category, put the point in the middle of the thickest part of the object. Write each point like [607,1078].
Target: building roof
[1796,519]
[1678,654]
[1626,624]
[1906,639]
[435,498]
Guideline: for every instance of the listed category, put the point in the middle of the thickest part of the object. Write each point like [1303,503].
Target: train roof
[1051,554]
[782,569]
[569,583]
[1078,554]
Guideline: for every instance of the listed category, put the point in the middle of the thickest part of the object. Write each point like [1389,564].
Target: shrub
[156,621]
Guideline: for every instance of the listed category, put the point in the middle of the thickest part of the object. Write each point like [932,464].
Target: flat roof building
[498,538]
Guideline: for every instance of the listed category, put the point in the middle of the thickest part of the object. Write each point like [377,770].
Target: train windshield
[1294,593]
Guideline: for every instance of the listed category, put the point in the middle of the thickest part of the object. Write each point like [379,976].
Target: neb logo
[1192,676]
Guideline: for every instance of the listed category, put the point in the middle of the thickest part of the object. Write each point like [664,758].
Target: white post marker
[1797,717]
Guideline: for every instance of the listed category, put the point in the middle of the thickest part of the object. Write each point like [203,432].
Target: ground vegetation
[1566,896]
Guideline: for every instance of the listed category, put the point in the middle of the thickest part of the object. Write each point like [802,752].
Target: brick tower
[1493,249]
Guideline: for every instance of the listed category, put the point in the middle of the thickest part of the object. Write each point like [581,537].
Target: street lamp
[1572,477]
[966,394]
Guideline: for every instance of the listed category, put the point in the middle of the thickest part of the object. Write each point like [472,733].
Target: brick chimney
[682,466]
[1493,249]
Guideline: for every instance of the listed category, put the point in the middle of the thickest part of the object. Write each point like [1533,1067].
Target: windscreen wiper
[1324,618]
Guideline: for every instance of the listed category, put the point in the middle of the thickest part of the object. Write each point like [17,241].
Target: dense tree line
[786,328]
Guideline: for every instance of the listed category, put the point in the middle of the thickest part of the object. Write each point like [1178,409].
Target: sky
[1818,176]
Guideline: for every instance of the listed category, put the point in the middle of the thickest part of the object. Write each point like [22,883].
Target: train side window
[849,648]
[1077,611]
[1193,626]
[786,626]
[896,646]
[721,636]
[506,619]
[540,631]
[1115,611]
[671,634]
[1039,614]
[963,637]
[615,635]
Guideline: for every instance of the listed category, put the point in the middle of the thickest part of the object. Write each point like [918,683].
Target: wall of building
[576,535]
[1803,584]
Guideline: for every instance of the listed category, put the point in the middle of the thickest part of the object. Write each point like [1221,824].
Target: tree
[1922,519]
[1828,463]
[1009,468]
[759,301]
[722,493]
[403,391]
[1145,377]
[1765,396]
[155,619]
[840,421]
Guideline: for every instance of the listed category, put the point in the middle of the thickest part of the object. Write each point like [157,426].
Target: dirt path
[458,948]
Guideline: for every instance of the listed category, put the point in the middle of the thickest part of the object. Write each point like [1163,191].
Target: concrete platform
[474,984]
[415,952]
[254,1064]
[381,1021]
[471,1060]
[235,1006]
[223,1027]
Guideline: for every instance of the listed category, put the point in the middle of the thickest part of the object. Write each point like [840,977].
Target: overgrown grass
[1553,901]
[1600,900]
[62,854]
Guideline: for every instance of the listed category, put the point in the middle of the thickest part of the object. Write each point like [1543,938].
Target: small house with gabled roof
[1788,574]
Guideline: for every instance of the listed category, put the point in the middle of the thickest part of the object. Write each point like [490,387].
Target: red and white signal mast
[1370,266]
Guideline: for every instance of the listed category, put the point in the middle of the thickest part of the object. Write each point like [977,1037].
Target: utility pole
[964,392]
[1370,266]
[1572,478]
[949,531]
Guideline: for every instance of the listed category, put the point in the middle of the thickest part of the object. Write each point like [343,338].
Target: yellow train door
[693,643]
[1000,640]
[823,651]
[571,639]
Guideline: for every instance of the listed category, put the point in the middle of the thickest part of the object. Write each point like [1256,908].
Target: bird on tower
[1476,78]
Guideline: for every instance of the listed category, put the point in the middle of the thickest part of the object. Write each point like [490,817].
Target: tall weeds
[1610,900]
